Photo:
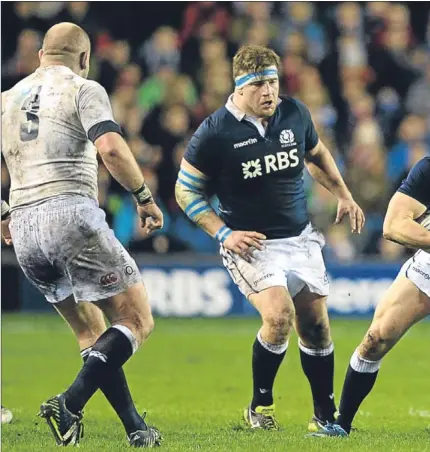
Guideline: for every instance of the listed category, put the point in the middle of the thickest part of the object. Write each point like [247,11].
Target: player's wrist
[345,195]
[5,211]
[143,195]
[222,233]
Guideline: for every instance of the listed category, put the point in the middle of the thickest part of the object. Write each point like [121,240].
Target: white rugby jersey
[49,123]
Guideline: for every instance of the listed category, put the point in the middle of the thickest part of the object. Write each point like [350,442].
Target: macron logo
[245,143]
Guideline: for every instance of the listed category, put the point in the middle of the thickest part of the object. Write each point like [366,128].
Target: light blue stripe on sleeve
[223,233]
[197,183]
[190,176]
[193,204]
[200,210]
[190,186]
[202,203]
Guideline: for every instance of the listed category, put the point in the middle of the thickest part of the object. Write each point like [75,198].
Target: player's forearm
[195,205]
[324,170]
[407,232]
[121,164]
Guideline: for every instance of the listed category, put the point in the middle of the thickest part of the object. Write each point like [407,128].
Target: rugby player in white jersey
[53,123]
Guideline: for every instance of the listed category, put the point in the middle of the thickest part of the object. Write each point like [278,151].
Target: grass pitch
[193,377]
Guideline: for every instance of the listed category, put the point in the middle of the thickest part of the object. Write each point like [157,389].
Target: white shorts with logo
[293,263]
[64,246]
[417,270]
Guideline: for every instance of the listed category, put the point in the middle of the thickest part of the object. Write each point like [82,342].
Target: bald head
[65,38]
[68,44]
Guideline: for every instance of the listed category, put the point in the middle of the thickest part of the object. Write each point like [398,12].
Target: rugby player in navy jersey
[407,300]
[252,153]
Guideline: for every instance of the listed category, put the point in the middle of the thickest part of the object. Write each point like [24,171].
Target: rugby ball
[6,415]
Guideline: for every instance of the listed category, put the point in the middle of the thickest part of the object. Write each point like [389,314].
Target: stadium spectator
[201,16]
[388,113]
[361,68]
[25,59]
[253,24]
[418,97]
[152,91]
[201,20]
[213,54]
[412,131]
[160,50]
[300,17]
[116,59]
[81,14]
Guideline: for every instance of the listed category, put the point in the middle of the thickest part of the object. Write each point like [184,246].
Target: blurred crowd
[363,70]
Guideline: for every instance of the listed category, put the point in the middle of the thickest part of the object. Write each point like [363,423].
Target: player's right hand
[151,218]
[244,242]
[5,232]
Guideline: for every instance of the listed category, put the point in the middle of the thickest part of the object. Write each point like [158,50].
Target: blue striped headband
[246,79]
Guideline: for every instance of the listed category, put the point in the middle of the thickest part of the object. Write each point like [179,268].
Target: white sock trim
[364,366]
[277,349]
[129,335]
[316,351]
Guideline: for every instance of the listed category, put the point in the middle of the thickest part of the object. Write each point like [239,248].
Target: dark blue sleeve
[311,135]
[417,184]
[201,150]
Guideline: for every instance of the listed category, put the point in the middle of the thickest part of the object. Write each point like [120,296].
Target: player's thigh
[264,272]
[263,282]
[47,278]
[403,305]
[312,321]
[100,267]
[275,307]
[306,266]
[131,309]
[85,319]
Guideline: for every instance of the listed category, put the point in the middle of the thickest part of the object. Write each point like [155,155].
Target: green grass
[193,378]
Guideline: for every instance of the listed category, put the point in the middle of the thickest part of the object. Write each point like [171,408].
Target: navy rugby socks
[359,381]
[117,393]
[318,366]
[266,359]
[108,354]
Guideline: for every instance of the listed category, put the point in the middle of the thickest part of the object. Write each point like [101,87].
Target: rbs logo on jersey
[271,163]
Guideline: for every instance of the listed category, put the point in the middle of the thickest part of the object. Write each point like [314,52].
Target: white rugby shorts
[64,246]
[417,270]
[292,263]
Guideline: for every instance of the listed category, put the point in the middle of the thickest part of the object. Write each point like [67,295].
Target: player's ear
[83,60]
[40,54]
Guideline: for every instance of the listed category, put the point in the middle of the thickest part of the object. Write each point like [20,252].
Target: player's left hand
[151,218]
[5,232]
[356,216]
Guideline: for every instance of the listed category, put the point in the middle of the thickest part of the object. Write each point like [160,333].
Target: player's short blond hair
[254,59]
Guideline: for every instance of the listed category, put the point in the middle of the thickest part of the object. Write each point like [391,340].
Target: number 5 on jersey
[29,129]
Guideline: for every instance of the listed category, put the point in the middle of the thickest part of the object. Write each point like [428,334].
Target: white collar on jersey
[54,67]
[237,112]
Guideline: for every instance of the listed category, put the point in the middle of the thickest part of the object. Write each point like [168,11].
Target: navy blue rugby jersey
[258,179]
[417,184]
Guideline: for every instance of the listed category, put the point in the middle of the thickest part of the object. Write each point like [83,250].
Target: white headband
[245,79]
